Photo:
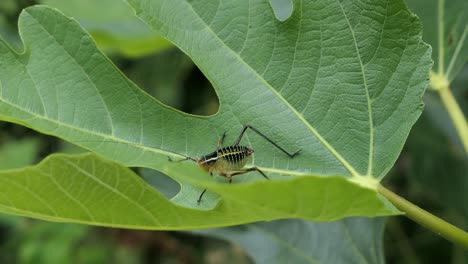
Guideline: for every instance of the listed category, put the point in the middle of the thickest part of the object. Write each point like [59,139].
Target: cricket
[230,161]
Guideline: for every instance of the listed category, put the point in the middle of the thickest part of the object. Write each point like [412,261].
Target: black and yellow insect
[230,161]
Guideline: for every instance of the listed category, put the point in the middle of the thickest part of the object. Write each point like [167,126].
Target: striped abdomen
[232,158]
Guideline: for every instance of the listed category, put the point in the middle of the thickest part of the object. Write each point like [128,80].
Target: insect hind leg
[259,171]
[291,155]
[220,142]
[240,172]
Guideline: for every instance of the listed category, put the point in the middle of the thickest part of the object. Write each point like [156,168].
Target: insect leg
[201,195]
[291,155]
[240,172]
[203,192]
[241,134]
[235,173]
[230,174]
[220,141]
[257,169]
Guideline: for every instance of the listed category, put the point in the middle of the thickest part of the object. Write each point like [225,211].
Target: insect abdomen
[233,157]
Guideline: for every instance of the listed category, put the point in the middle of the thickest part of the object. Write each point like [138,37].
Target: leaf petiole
[456,114]
[430,221]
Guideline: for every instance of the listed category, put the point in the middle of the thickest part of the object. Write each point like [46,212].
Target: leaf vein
[84,73]
[67,194]
[366,88]
[112,189]
[33,194]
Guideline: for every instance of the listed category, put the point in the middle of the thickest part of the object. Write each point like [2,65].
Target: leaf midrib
[110,138]
[366,88]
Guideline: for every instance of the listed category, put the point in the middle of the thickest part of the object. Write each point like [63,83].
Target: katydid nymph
[230,161]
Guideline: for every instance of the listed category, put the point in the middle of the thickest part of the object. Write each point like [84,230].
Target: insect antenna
[186,158]
[134,144]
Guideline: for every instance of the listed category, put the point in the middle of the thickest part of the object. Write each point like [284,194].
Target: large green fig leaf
[351,240]
[87,189]
[342,84]
[348,80]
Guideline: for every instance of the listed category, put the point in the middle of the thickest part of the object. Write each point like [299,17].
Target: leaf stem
[456,114]
[430,221]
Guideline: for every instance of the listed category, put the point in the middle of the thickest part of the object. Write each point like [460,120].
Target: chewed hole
[161,182]
[185,196]
[172,78]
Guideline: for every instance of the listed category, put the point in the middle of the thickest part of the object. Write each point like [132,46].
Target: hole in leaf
[22,146]
[172,78]
[161,182]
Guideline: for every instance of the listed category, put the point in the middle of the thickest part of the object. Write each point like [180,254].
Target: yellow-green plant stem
[456,114]
[433,223]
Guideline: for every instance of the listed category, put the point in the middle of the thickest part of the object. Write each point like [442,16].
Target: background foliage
[417,176]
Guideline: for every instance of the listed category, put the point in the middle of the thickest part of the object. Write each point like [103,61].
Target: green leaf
[325,75]
[446,29]
[358,240]
[113,26]
[87,189]
[318,82]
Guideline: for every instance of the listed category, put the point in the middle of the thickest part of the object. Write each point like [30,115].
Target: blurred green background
[431,171]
